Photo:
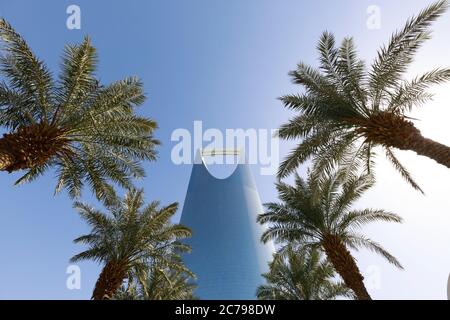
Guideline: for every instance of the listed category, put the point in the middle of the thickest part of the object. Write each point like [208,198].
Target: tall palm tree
[88,132]
[319,215]
[129,239]
[301,276]
[348,110]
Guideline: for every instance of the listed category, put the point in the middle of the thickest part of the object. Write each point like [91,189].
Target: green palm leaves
[101,139]
[313,215]
[301,276]
[90,135]
[130,239]
[160,284]
[347,110]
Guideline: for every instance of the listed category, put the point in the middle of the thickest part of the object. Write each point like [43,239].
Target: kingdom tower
[227,254]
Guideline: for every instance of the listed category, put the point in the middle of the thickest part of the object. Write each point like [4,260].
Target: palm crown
[87,131]
[129,240]
[302,275]
[348,110]
[315,214]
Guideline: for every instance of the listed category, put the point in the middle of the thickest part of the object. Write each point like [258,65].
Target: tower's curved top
[227,254]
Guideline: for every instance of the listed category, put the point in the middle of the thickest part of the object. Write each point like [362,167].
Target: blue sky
[225,63]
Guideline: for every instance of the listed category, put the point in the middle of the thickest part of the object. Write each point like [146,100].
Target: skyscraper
[227,254]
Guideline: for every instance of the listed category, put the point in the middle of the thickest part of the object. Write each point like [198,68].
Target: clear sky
[224,63]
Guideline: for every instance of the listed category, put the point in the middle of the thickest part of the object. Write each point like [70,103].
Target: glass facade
[227,254]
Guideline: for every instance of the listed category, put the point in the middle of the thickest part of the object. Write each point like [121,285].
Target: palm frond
[303,152]
[400,168]
[412,93]
[357,242]
[25,72]
[353,74]
[393,60]
[76,80]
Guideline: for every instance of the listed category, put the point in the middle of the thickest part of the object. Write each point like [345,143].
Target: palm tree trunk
[345,265]
[32,146]
[392,130]
[110,280]
[6,160]
[429,148]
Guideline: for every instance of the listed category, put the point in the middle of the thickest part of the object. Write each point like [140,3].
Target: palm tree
[88,132]
[318,215]
[302,276]
[348,110]
[129,239]
[160,284]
